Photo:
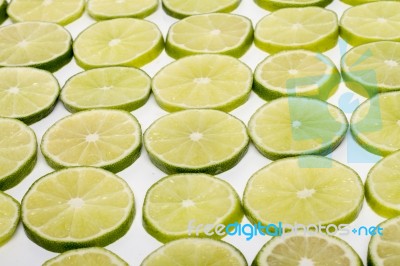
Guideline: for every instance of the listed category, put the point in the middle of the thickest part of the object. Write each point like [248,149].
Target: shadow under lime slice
[293,126]
[298,190]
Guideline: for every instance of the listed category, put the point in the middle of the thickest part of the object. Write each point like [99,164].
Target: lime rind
[115,166]
[273,5]
[69,255]
[179,14]
[351,254]
[3,10]
[321,86]
[313,163]
[63,244]
[6,236]
[234,214]
[26,167]
[106,14]
[129,104]
[178,50]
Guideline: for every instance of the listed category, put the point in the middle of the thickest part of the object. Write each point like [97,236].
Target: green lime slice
[372,68]
[360,2]
[196,251]
[375,124]
[3,10]
[273,5]
[185,8]
[300,249]
[110,139]
[382,186]
[178,202]
[18,148]
[119,42]
[377,21]
[296,73]
[215,33]
[77,207]
[296,126]
[27,94]
[94,256]
[206,141]
[38,44]
[58,11]
[111,87]
[109,9]
[190,83]
[310,28]
[306,190]
[9,217]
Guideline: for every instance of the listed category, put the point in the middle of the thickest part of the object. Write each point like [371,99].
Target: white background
[137,244]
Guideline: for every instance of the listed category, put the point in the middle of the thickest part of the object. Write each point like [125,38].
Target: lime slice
[27,94]
[184,8]
[217,33]
[377,21]
[295,126]
[9,217]
[273,5]
[18,149]
[109,9]
[384,250]
[191,83]
[57,11]
[300,249]
[196,251]
[185,205]
[296,73]
[311,28]
[375,124]
[3,10]
[77,207]
[38,44]
[360,2]
[110,139]
[306,190]
[94,256]
[118,42]
[206,141]
[382,186]
[112,87]
[372,68]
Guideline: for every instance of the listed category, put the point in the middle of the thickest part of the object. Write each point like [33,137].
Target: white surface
[137,243]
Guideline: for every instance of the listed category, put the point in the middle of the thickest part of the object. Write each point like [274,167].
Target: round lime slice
[273,5]
[9,217]
[109,9]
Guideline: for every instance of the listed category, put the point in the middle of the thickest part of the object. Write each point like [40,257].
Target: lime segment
[77,207]
[178,202]
[57,11]
[196,251]
[112,87]
[375,124]
[207,141]
[39,44]
[9,217]
[110,139]
[307,190]
[296,73]
[273,5]
[310,28]
[371,22]
[210,33]
[119,42]
[185,8]
[86,256]
[27,94]
[372,68]
[18,149]
[299,249]
[191,83]
[109,9]
[295,126]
